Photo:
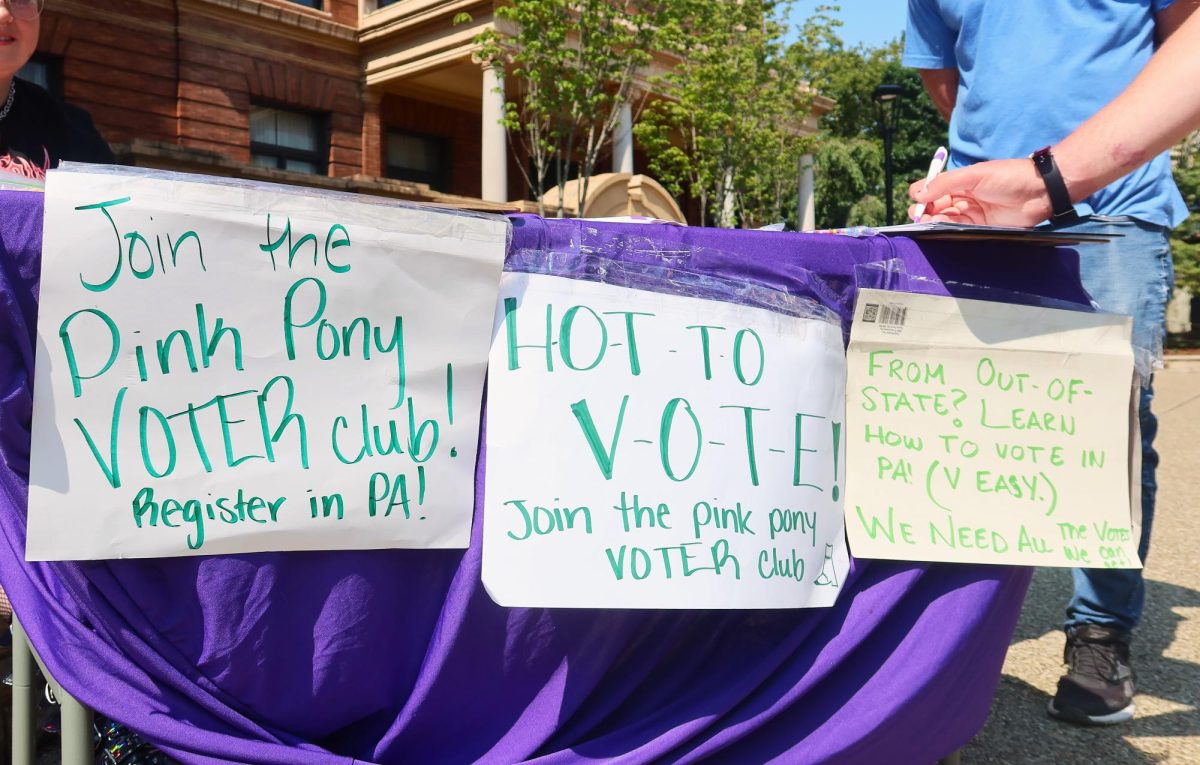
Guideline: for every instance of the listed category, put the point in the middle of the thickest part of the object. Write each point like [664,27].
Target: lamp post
[885,96]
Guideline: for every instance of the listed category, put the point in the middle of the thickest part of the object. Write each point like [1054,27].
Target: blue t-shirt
[1031,71]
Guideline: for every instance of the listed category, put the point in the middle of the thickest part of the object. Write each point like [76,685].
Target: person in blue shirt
[1015,78]
[1159,109]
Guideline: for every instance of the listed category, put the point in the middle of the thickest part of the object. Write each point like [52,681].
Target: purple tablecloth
[400,656]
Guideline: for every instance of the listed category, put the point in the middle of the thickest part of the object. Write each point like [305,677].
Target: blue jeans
[1131,275]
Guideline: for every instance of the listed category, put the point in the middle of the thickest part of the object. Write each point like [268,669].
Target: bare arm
[942,87]
[1159,108]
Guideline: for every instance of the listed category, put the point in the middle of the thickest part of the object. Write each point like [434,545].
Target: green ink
[752,460]
[208,345]
[987,375]
[892,438]
[179,243]
[1057,390]
[737,356]
[790,567]
[837,453]
[874,528]
[635,365]
[966,537]
[164,351]
[393,445]
[270,437]
[664,437]
[604,458]
[905,371]
[226,437]
[148,512]
[333,442]
[111,469]
[135,237]
[642,515]
[543,521]
[704,345]
[393,492]
[735,519]
[289,340]
[510,335]
[197,437]
[417,435]
[329,502]
[951,478]
[140,355]
[168,438]
[568,322]
[103,208]
[334,244]
[786,521]
[69,349]
[800,451]
[340,340]
[293,248]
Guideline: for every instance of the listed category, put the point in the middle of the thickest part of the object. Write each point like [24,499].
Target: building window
[418,158]
[45,71]
[318,4]
[288,140]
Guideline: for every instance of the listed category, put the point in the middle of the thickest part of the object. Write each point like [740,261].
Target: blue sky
[871,22]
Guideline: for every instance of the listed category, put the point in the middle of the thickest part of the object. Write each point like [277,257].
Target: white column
[806,214]
[623,141]
[728,202]
[493,145]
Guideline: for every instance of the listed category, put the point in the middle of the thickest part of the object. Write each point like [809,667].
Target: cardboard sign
[227,367]
[989,433]
[657,451]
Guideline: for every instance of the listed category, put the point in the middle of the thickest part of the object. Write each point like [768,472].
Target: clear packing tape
[892,275]
[668,274]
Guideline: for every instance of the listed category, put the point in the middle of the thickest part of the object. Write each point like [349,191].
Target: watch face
[1043,159]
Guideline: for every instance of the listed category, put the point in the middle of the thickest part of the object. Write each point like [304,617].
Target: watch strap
[1063,212]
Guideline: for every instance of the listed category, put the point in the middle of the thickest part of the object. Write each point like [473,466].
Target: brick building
[363,95]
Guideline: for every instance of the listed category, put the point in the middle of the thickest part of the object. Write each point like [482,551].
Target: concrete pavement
[1166,649]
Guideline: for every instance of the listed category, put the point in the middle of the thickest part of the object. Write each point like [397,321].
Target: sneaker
[1098,687]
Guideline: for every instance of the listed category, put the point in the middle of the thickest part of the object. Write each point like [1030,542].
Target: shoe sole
[1072,715]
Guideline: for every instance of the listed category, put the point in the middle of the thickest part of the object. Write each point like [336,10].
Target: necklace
[12,93]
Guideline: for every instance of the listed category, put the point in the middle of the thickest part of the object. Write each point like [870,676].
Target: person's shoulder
[68,126]
[34,97]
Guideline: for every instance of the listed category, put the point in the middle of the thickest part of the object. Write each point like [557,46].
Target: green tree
[724,128]
[848,172]
[571,65]
[1185,238]
[850,177]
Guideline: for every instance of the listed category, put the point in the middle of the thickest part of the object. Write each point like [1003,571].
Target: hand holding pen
[936,165]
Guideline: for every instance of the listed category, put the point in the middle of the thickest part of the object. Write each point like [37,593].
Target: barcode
[870,312]
[892,315]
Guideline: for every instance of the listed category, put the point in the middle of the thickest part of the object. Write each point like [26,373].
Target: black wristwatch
[1060,201]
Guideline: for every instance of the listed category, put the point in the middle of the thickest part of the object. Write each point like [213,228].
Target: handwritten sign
[988,433]
[229,368]
[657,451]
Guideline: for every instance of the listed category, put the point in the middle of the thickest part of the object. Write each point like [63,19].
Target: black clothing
[45,131]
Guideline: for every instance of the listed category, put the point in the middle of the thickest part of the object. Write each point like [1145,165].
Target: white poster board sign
[647,450]
[227,367]
[989,433]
